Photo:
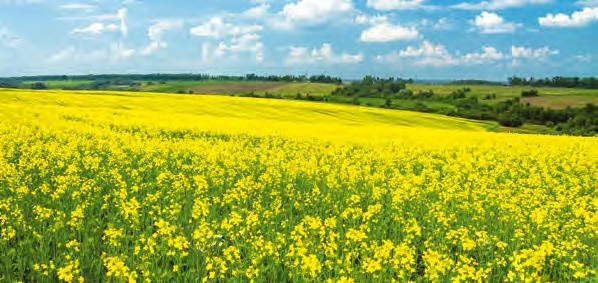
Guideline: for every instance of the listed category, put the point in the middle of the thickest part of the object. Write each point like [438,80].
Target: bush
[529,93]
[39,85]
[510,120]
[425,93]
[405,93]
[388,102]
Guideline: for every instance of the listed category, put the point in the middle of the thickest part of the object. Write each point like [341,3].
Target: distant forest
[176,77]
[567,82]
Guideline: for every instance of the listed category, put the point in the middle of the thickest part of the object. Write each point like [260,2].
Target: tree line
[173,77]
[566,82]
[371,86]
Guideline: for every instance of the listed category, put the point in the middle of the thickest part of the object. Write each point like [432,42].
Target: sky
[420,39]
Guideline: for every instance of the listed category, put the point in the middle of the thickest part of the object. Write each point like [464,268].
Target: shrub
[39,85]
[529,93]
[510,120]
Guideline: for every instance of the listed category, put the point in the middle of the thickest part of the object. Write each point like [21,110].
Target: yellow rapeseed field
[139,187]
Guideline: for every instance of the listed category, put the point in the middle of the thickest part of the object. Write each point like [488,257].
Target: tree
[39,85]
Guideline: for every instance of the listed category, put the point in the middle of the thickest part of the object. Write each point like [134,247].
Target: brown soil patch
[560,102]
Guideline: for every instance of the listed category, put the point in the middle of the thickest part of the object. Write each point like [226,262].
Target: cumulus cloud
[440,24]
[386,32]
[216,27]
[427,54]
[246,43]
[106,23]
[498,4]
[156,34]
[387,5]
[324,54]
[577,19]
[310,12]
[530,53]
[520,53]
[491,23]
[257,12]
[235,39]
[364,19]
[488,54]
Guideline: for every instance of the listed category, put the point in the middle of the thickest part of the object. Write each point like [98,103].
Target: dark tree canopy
[568,82]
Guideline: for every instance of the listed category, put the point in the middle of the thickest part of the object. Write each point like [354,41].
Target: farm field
[550,97]
[133,186]
[209,87]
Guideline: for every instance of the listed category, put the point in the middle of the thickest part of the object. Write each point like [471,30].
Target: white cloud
[491,23]
[519,52]
[387,5]
[489,54]
[443,24]
[257,12]
[122,16]
[216,27]
[236,39]
[78,6]
[364,19]
[577,19]
[96,28]
[156,34]
[386,32]
[309,12]
[247,43]
[427,54]
[106,23]
[324,54]
[498,4]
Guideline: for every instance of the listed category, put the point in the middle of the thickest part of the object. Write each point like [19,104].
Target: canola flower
[86,198]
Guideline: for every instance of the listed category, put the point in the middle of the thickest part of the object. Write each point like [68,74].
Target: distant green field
[556,98]
[209,87]
[292,89]
[62,84]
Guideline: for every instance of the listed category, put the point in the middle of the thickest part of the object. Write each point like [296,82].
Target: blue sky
[423,39]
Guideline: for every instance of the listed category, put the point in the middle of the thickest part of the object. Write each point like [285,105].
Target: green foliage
[371,86]
[39,85]
[509,119]
[568,82]
[529,93]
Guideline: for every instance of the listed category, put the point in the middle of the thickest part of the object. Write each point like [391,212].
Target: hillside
[223,113]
